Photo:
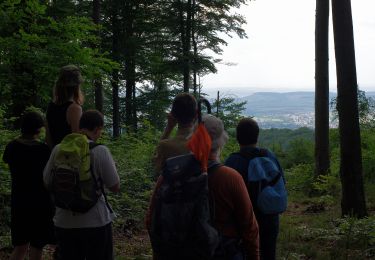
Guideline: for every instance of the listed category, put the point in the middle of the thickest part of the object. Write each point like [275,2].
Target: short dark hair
[247,131]
[91,119]
[31,122]
[184,108]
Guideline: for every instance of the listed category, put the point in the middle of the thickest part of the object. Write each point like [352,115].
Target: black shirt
[57,125]
[26,159]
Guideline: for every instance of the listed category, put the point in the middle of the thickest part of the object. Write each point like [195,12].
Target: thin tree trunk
[129,63]
[353,197]
[97,82]
[115,74]
[195,47]
[115,104]
[135,121]
[185,42]
[322,162]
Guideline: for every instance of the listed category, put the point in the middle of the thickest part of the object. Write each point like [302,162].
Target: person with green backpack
[77,174]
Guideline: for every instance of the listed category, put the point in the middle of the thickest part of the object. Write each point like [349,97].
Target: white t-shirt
[99,215]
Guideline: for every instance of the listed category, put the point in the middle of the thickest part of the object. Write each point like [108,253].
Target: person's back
[247,133]
[233,214]
[31,207]
[57,123]
[183,114]
[88,235]
[64,112]
[231,209]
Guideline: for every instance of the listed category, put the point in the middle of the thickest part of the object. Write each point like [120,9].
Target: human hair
[31,122]
[247,131]
[215,128]
[184,108]
[91,119]
[68,85]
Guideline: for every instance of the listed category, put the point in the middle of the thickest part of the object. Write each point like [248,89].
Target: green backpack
[74,186]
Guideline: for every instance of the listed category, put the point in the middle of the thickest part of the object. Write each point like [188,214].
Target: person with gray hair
[233,212]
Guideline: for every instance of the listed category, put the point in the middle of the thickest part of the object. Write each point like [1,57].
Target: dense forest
[135,56]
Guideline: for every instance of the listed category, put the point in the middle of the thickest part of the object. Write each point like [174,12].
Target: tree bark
[322,162]
[98,88]
[185,29]
[353,197]
[115,73]
[195,47]
[129,59]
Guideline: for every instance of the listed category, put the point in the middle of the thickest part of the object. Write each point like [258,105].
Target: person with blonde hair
[64,112]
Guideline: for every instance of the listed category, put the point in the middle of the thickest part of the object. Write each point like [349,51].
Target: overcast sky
[279,52]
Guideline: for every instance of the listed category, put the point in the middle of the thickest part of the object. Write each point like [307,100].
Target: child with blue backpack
[264,178]
[31,207]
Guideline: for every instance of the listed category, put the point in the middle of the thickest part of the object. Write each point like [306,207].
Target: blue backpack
[265,183]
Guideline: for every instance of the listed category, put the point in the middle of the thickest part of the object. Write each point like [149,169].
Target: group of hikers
[198,210]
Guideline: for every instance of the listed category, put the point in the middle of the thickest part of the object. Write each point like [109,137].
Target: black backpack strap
[92,145]
[261,152]
[212,166]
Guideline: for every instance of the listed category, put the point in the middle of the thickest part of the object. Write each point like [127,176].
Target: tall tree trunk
[115,104]
[129,58]
[97,81]
[185,29]
[115,73]
[353,197]
[322,162]
[195,47]
[135,121]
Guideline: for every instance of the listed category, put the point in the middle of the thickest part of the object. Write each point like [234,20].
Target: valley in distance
[284,109]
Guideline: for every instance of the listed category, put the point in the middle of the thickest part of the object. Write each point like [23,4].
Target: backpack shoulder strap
[212,166]
[261,152]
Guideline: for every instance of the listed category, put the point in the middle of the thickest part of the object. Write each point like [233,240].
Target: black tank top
[57,124]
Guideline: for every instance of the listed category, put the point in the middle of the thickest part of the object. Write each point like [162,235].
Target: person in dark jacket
[247,133]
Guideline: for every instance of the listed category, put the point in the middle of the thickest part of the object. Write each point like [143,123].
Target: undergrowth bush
[133,154]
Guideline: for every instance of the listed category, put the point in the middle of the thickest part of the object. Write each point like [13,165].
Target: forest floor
[308,230]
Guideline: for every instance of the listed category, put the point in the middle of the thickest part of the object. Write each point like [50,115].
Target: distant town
[285,110]
[291,121]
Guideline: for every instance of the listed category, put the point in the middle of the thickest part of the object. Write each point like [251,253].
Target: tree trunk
[322,162]
[115,104]
[353,197]
[97,82]
[185,28]
[195,47]
[129,59]
[115,73]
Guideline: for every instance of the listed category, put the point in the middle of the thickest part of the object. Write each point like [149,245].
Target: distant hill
[273,103]
[284,110]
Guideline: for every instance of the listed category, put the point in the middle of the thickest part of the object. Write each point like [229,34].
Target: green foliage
[327,185]
[366,110]
[299,151]
[5,186]
[299,179]
[34,46]
[133,154]
[281,138]
[228,110]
